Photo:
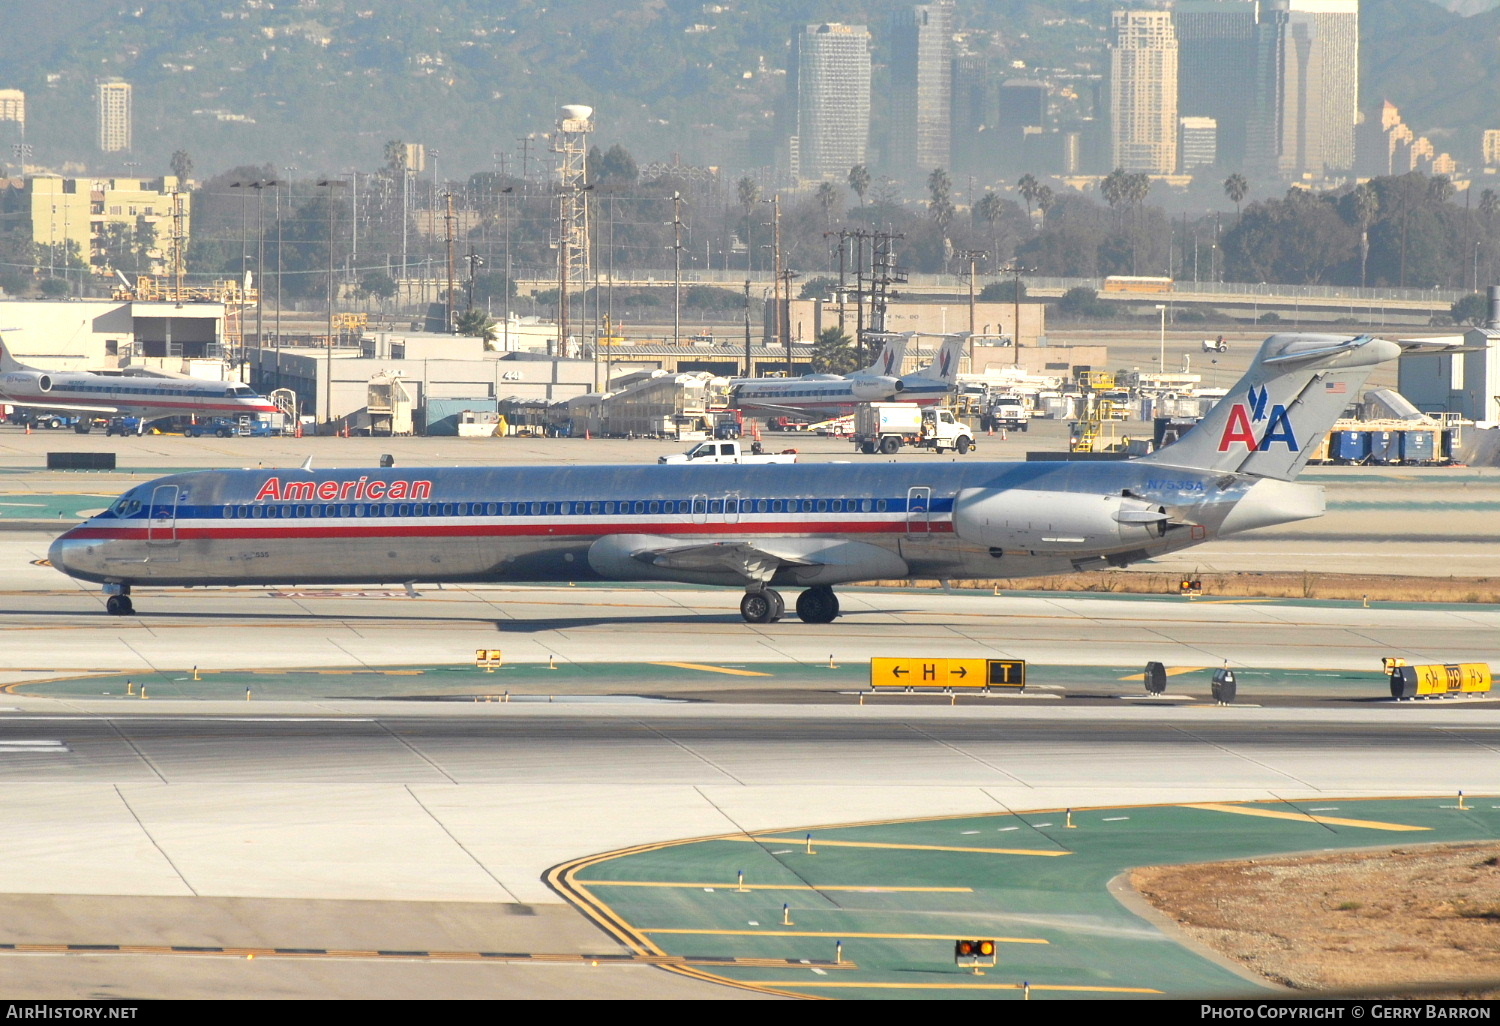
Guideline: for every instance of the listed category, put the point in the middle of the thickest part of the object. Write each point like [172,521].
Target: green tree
[1473,309]
[182,167]
[748,192]
[1236,187]
[1082,302]
[859,181]
[1002,292]
[475,324]
[833,352]
[1027,187]
[940,193]
[1045,201]
[827,197]
[820,287]
[1298,240]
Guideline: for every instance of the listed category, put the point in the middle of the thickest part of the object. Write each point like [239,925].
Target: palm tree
[1366,206]
[989,209]
[1027,187]
[859,181]
[1236,188]
[477,324]
[1114,188]
[749,193]
[940,188]
[827,195]
[1440,189]
[1045,201]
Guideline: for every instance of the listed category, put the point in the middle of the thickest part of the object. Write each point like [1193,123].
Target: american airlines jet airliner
[145,396]
[834,395]
[756,528]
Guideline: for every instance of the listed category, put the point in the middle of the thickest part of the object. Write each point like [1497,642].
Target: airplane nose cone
[68,555]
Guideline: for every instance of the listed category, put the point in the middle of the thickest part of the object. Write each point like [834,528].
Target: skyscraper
[1143,91]
[1215,68]
[113,101]
[1306,97]
[921,88]
[830,85]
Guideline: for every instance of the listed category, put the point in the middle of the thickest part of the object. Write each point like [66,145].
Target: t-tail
[1274,419]
[888,361]
[944,365]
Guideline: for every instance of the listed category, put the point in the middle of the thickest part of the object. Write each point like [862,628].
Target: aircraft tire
[778,604]
[757,607]
[119,605]
[818,605]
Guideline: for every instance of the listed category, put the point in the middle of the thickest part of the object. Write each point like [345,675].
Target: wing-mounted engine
[875,388]
[1047,521]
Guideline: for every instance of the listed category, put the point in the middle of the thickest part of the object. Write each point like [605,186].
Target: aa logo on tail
[890,359]
[947,361]
[1241,428]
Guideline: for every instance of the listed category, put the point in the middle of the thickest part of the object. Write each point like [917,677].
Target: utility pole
[748,362]
[330,184]
[971,256]
[475,263]
[1015,271]
[448,218]
[677,268]
[781,336]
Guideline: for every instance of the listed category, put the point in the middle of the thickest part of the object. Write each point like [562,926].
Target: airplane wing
[72,407]
[793,411]
[753,562]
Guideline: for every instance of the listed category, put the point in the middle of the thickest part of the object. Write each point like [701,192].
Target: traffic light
[973,949]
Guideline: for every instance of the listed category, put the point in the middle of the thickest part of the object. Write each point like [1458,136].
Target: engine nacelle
[26,381]
[1064,522]
[875,389]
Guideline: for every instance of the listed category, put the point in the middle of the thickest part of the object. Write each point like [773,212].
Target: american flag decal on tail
[1336,387]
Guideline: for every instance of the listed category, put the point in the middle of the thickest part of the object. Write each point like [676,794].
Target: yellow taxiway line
[1306,817]
[728,886]
[716,669]
[831,933]
[1172,671]
[824,984]
[901,847]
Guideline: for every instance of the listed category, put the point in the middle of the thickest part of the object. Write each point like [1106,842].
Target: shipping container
[1350,446]
[1385,447]
[1419,446]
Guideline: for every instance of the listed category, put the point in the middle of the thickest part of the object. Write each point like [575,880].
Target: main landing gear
[119,604]
[815,605]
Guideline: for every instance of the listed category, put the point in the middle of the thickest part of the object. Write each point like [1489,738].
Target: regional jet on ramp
[146,396]
[834,395]
[759,528]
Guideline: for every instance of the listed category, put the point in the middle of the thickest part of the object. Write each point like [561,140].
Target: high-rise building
[1215,68]
[1306,99]
[12,105]
[1143,92]
[1492,147]
[1023,103]
[829,82]
[113,101]
[1198,146]
[975,144]
[921,89]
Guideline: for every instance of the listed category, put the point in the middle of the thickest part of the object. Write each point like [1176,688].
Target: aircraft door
[732,508]
[700,509]
[161,528]
[918,510]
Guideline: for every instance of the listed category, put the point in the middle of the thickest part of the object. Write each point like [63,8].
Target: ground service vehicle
[726,452]
[1008,412]
[886,427]
[806,526]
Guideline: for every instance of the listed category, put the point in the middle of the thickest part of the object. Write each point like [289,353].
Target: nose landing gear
[118,603]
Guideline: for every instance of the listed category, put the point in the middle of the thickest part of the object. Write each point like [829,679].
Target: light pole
[1161,353]
[1015,271]
[330,184]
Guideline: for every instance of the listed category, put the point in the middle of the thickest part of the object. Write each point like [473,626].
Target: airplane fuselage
[150,398]
[826,523]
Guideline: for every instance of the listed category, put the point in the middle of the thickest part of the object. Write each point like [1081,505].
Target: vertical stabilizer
[1273,420]
[7,361]
[944,365]
[892,353]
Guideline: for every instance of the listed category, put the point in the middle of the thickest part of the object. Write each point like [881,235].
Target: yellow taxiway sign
[947,673]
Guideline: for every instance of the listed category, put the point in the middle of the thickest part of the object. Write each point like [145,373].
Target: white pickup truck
[728,452]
